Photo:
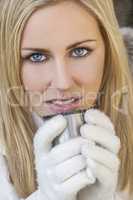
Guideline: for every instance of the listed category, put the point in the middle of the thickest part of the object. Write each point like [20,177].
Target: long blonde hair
[17,127]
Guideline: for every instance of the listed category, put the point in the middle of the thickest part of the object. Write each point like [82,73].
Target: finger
[104,175]
[75,183]
[60,153]
[95,116]
[66,150]
[90,175]
[46,134]
[101,156]
[69,168]
[101,136]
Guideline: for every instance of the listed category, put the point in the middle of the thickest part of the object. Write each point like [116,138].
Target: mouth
[63,105]
[63,101]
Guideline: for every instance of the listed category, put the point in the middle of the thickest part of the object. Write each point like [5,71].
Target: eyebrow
[69,47]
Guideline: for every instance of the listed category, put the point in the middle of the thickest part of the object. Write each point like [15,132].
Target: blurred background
[124,12]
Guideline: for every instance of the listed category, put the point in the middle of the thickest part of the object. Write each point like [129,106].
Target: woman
[52,51]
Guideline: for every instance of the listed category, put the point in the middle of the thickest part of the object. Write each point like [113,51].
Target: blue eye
[37,57]
[81,52]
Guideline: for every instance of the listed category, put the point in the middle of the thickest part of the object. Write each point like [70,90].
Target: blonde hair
[17,128]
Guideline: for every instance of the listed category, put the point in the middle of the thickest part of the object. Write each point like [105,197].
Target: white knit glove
[101,157]
[61,170]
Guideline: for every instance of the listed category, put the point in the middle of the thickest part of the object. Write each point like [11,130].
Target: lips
[64,105]
[63,101]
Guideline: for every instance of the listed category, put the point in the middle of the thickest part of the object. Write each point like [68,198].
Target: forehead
[64,22]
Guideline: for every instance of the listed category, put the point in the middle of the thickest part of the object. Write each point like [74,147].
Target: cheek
[91,70]
[34,78]
[90,74]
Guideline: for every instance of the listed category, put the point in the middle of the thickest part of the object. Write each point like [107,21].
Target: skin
[62,72]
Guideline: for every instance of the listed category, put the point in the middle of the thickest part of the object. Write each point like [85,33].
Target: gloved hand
[66,161]
[101,157]
[61,170]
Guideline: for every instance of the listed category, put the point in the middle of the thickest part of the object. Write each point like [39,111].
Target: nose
[62,76]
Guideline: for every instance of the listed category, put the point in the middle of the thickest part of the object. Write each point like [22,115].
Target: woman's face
[63,55]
